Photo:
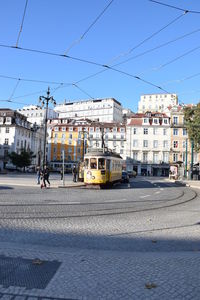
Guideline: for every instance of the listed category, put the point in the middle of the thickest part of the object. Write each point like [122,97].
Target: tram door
[108,170]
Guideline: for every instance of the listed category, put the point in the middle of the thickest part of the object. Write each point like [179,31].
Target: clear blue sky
[53,25]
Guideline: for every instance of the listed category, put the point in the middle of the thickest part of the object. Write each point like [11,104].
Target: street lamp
[45,101]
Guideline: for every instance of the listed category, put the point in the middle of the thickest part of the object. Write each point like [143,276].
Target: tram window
[93,163]
[86,163]
[101,165]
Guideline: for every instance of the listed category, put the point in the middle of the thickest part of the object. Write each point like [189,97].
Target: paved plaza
[135,241]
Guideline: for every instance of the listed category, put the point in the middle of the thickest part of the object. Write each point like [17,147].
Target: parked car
[125,177]
[132,173]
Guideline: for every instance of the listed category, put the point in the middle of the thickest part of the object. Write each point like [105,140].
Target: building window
[91,129]
[7,129]
[121,151]
[70,128]
[184,144]
[155,121]
[155,144]
[175,144]
[114,129]
[145,157]
[166,157]
[175,131]
[135,143]
[145,121]
[122,129]
[175,120]
[56,129]
[165,144]
[145,143]
[6,141]
[122,144]
[155,131]
[184,131]
[134,130]
[155,158]
[63,136]
[63,128]
[145,130]
[164,131]
[175,157]
[165,121]
[135,155]
[70,136]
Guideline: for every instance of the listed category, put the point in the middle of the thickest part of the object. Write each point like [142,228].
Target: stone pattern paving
[90,275]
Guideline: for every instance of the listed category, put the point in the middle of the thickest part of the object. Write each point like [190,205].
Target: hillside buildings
[156,102]
[102,110]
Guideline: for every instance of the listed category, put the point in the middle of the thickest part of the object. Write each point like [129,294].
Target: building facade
[148,143]
[156,102]
[102,110]
[73,137]
[36,114]
[16,133]
[181,148]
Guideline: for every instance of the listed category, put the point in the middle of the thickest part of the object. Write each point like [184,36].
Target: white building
[17,133]
[156,102]
[36,114]
[102,110]
[148,143]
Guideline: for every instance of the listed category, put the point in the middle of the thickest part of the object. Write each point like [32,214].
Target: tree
[23,159]
[192,119]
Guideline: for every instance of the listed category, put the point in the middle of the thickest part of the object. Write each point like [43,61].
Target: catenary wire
[175,7]
[88,29]
[22,23]
[146,39]
[32,80]
[74,84]
[13,92]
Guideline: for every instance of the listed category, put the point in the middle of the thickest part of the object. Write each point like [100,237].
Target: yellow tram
[102,167]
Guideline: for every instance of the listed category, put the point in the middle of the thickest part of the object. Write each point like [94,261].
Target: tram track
[185,196]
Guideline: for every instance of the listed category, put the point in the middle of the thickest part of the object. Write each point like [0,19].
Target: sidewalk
[92,274]
[30,181]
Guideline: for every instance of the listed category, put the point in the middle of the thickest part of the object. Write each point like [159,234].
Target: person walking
[74,172]
[61,174]
[38,173]
[45,177]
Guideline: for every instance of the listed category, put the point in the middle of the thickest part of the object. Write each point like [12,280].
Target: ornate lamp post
[45,101]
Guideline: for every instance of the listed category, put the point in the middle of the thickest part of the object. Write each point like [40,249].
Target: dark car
[125,177]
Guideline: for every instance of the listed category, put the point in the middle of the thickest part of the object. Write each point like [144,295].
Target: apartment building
[17,133]
[148,143]
[101,110]
[74,137]
[36,114]
[180,144]
[156,102]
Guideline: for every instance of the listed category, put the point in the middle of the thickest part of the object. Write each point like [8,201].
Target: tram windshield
[101,163]
[93,163]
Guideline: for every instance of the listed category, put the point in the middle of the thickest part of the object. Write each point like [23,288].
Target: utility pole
[192,158]
[45,101]
[186,156]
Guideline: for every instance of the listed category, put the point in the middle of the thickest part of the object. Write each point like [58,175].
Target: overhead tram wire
[175,7]
[13,92]
[147,39]
[88,29]
[22,23]
[141,54]
[138,78]
[32,80]
[74,84]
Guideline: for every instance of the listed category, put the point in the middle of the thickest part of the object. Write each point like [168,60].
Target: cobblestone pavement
[152,254]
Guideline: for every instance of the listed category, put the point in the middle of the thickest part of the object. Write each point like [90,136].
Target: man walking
[74,172]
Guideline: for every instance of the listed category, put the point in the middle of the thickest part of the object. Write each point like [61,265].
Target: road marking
[161,189]
[145,196]
[119,200]
[157,192]
[75,202]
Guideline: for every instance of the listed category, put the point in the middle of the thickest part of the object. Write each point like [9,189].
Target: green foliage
[22,160]
[192,119]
